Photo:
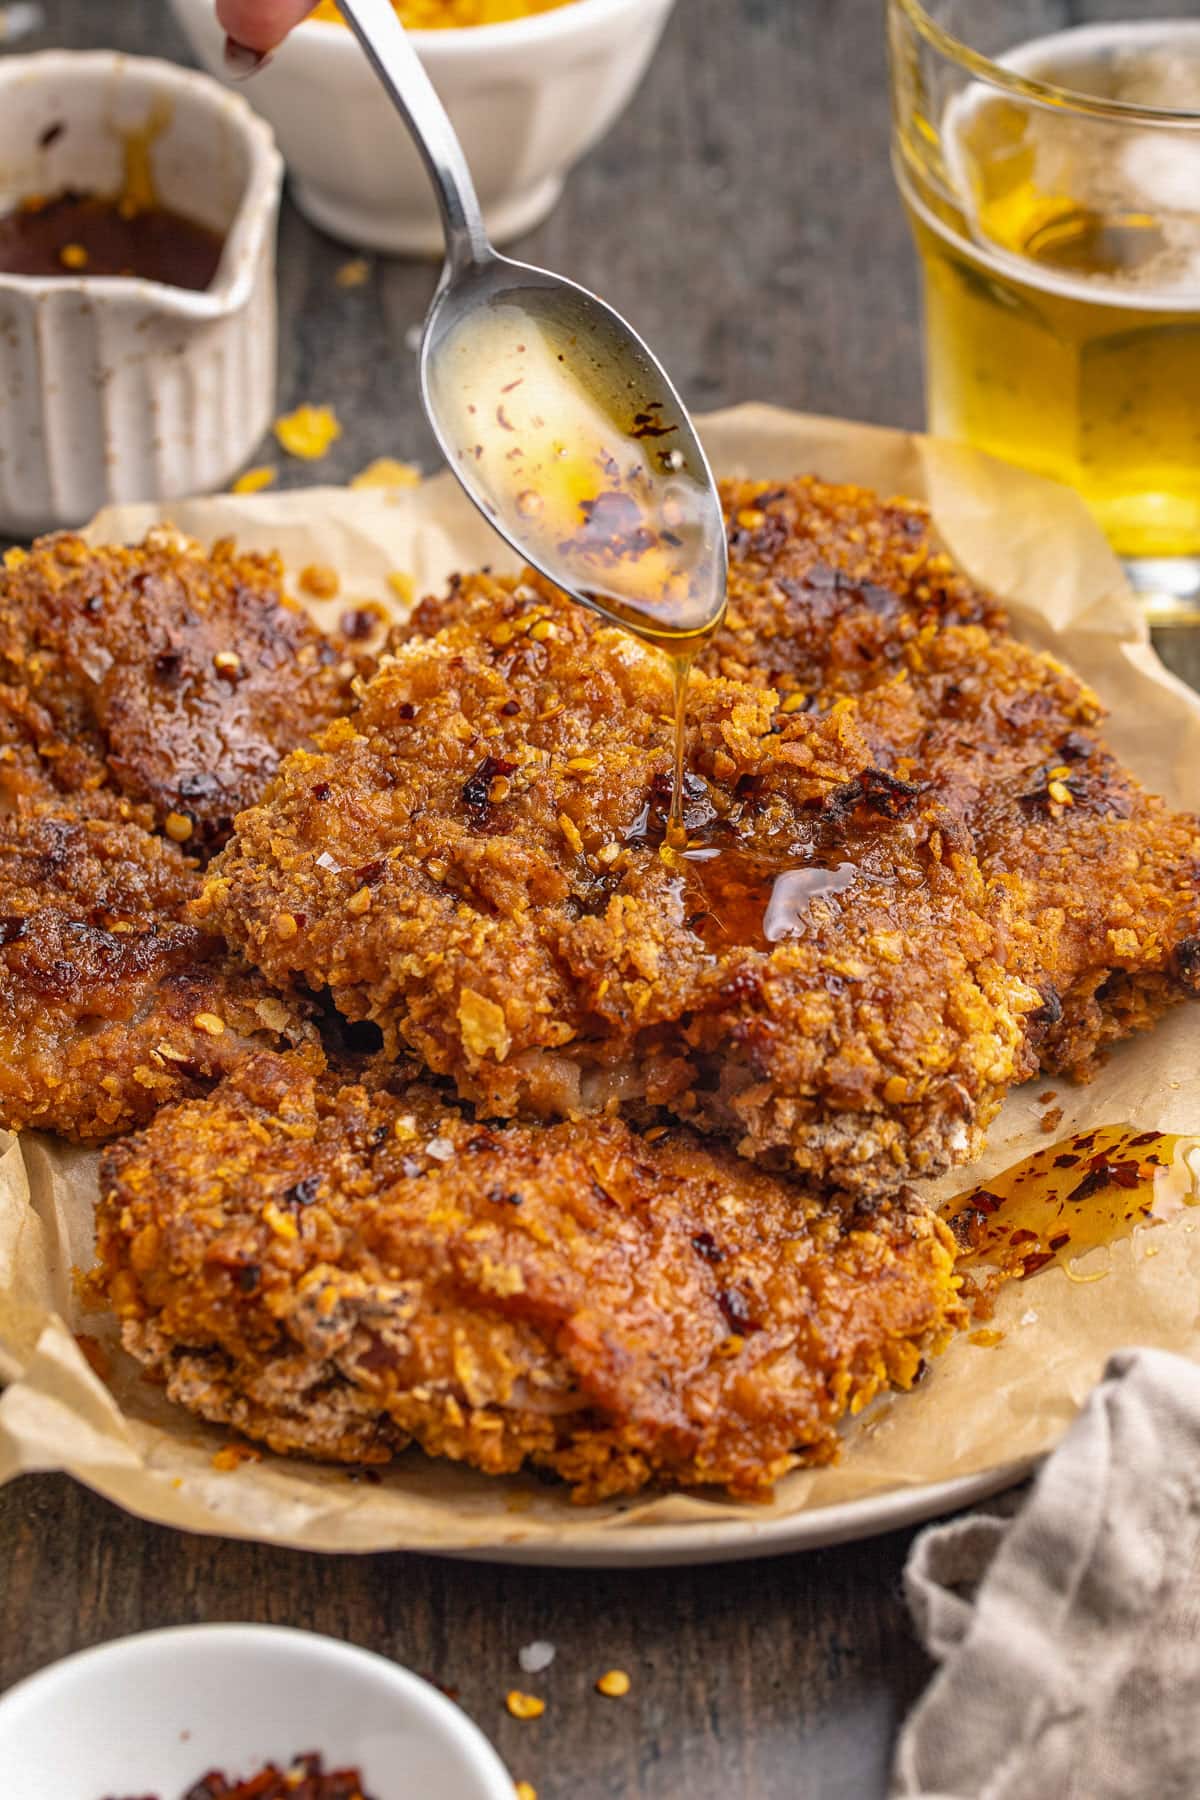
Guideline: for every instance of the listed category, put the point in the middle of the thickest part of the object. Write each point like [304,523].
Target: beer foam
[1107,168]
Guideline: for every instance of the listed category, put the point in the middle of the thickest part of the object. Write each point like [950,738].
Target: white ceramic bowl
[122,389]
[152,1714]
[527,99]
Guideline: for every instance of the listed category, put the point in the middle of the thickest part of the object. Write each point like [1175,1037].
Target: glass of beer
[1053,186]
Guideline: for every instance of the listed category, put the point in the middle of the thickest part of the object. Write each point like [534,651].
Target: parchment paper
[980,1407]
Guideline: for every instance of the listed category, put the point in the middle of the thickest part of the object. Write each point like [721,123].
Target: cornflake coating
[110,1003]
[472,861]
[157,674]
[338,1272]
[835,592]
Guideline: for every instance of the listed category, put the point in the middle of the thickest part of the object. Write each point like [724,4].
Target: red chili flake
[1103,1174]
[1061,1239]
[1023,1236]
[736,1311]
[305,1778]
[1066,1161]
[984,1202]
[477,787]
[1145,1137]
[1037,1261]
[359,622]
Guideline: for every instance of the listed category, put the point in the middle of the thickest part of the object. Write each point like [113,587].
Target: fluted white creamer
[116,388]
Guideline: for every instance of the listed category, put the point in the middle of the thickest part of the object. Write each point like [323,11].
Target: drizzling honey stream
[579,461]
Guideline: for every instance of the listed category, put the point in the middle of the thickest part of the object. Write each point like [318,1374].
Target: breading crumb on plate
[569,1296]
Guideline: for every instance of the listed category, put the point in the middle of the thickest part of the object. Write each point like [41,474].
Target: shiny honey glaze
[1070,1199]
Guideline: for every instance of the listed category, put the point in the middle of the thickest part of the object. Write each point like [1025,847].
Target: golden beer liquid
[1062,284]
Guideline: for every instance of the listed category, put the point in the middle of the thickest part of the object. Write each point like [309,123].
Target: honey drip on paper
[1072,1198]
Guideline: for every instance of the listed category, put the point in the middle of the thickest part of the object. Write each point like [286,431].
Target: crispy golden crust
[157,674]
[110,1003]
[338,1272]
[832,593]
[473,862]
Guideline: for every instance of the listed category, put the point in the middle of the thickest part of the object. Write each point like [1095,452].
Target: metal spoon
[559,423]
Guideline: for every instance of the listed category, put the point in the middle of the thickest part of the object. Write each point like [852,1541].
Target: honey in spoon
[577,456]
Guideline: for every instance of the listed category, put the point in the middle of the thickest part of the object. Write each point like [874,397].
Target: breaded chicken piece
[110,1003]
[473,862]
[834,592]
[338,1272]
[157,674]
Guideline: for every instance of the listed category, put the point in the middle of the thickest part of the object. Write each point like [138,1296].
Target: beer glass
[1053,186]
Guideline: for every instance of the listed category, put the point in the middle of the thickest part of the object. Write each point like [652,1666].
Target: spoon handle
[379,31]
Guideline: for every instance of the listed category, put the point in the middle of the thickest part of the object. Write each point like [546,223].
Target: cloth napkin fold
[1069,1635]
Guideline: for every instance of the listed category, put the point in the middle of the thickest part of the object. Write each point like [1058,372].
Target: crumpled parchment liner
[979,1409]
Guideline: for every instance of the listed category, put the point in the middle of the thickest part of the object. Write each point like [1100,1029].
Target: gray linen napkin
[1069,1636]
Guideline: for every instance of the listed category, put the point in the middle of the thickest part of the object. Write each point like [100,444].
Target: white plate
[740,1540]
[152,1714]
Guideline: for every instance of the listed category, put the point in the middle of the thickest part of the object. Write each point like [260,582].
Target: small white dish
[119,389]
[527,100]
[152,1714]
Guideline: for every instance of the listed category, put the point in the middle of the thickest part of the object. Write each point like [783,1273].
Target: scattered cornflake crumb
[987,1340]
[525,1790]
[178,827]
[386,472]
[614,1683]
[355,273]
[403,586]
[253,481]
[211,1024]
[94,1353]
[524,1706]
[308,432]
[281,1223]
[535,1657]
[320,582]
[1052,1120]
[233,1456]
[1047,1097]
[73,256]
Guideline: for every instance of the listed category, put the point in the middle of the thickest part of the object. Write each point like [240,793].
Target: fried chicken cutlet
[157,674]
[473,862]
[342,1271]
[834,592]
[111,1003]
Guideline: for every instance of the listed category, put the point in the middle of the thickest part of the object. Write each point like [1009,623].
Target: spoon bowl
[554,415]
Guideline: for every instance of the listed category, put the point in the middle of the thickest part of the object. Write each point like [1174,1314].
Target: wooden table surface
[743,215]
